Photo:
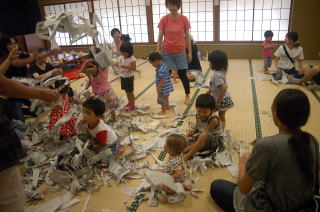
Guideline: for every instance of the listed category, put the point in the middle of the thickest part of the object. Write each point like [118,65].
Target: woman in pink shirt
[174,28]
[100,85]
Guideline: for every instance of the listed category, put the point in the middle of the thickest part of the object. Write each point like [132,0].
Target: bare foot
[266,71]
[161,113]
[187,187]
[187,101]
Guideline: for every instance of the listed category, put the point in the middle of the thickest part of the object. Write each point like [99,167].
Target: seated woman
[310,74]
[18,68]
[194,72]
[280,174]
[41,69]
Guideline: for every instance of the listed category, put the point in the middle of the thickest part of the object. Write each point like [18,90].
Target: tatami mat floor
[240,121]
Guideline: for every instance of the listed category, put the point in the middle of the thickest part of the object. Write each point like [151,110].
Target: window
[158,11]
[210,20]
[62,39]
[247,20]
[133,19]
[200,15]
[107,12]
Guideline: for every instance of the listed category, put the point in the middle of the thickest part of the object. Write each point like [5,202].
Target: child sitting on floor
[93,110]
[100,85]
[175,166]
[61,110]
[208,127]
[163,81]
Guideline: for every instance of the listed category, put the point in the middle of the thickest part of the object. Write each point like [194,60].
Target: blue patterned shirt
[162,72]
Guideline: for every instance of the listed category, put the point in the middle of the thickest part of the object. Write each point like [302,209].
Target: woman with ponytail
[279,175]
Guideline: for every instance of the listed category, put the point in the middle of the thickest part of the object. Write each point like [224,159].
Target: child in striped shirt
[163,81]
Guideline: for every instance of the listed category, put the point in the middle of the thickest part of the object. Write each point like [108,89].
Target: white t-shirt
[103,133]
[126,73]
[295,53]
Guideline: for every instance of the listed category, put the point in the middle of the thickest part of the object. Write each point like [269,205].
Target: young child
[163,81]
[100,85]
[218,84]
[127,65]
[267,51]
[93,110]
[208,127]
[175,166]
[66,94]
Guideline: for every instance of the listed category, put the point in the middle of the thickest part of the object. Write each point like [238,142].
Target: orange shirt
[174,36]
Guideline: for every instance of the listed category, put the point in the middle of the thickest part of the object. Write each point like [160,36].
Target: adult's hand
[13,54]
[49,95]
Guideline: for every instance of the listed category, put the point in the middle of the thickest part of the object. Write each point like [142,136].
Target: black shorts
[127,84]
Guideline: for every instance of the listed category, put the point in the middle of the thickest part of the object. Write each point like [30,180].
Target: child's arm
[300,66]
[223,89]
[53,72]
[101,138]
[159,88]
[199,144]
[88,71]
[277,64]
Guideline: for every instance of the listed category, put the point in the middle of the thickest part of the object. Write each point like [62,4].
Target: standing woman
[115,45]
[174,28]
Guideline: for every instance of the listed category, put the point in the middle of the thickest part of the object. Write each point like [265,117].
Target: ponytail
[299,143]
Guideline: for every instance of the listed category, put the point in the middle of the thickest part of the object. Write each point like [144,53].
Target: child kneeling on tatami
[208,127]
[163,81]
[93,110]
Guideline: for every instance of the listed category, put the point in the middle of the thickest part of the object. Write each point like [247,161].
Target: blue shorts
[177,61]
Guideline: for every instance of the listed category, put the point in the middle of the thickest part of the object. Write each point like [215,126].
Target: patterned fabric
[110,99]
[176,162]
[226,103]
[162,72]
[203,125]
[58,112]
[100,83]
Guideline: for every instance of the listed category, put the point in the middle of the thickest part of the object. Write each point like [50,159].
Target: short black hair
[4,41]
[174,2]
[218,60]
[127,47]
[292,36]
[114,30]
[96,105]
[66,89]
[153,56]
[268,33]
[40,50]
[206,101]
[125,37]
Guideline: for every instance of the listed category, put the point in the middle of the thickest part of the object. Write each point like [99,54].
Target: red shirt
[174,36]
[266,52]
